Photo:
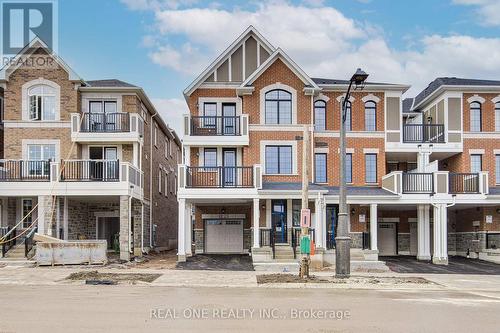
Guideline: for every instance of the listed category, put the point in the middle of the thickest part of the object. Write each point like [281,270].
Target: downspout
[151,180]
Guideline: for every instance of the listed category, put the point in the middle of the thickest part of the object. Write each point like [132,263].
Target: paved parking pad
[217,262]
[456,265]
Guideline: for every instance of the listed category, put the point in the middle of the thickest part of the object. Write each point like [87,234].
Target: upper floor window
[371,168]
[348,118]
[1,109]
[278,159]
[319,116]
[476,163]
[497,168]
[320,168]
[497,116]
[42,102]
[370,116]
[210,157]
[348,168]
[278,107]
[209,115]
[475,117]
[103,107]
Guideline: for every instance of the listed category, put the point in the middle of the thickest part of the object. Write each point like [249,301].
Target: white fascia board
[370,88]
[443,88]
[206,73]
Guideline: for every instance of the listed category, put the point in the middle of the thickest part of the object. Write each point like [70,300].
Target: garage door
[387,239]
[224,236]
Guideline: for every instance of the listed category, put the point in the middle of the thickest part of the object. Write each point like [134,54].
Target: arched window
[348,118]
[42,102]
[319,116]
[497,116]
[370,116]
[475,117]
[278,107]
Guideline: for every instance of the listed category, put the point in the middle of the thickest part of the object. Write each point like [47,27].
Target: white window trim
[166,183]
[496,154]
[155,135]
[322,97]
[25,99]
[25,143]
[265,143]
[370,97]
[476,98]
[166,147]
[160,175]
[219,101]
[476,151]
[105,97]
[262,97]
[170,147]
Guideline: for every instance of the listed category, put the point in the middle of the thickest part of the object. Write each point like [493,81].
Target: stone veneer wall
[147,226]
[199,241]
[356,240]
[81,218]
[404,243]
[247,239]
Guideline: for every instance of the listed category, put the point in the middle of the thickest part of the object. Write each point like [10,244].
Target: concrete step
[17,262]
[278,267]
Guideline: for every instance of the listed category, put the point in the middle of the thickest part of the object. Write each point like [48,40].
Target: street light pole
[342,239]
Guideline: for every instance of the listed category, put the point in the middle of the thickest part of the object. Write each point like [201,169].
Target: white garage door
[224,236]
[387,239]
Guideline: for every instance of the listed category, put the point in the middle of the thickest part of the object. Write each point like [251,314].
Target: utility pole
[304,231]
[343,241]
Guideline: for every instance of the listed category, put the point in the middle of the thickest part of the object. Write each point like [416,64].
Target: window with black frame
[370,116]
[320,167]
[278,107]
[475,117]
[320,116]
[278,160]
[209,115]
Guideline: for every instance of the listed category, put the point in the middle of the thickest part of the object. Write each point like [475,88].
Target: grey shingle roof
[332,190]
[110,83]
[336,81]
[452,81]
[407,104]
[494,190]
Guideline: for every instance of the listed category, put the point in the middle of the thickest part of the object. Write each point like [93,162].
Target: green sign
[305,244]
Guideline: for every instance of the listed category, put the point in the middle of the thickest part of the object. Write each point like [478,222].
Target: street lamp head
[359,78]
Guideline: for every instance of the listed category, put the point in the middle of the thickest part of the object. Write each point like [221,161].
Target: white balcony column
[181,246]
[423,220]
[187,155]
[422,160]
[373,228]
[440,255]
[323,224]
[256,219]
[318,222]
[189,229]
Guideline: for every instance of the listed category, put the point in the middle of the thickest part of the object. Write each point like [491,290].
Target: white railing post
[54,171]
[75,122]
[187,125]
[257,176]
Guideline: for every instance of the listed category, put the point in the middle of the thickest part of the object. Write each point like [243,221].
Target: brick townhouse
[84,160]
[422,172]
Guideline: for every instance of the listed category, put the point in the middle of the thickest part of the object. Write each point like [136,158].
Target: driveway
[218,262]
[456,265]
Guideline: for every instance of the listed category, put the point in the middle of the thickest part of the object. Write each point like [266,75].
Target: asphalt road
[76,308]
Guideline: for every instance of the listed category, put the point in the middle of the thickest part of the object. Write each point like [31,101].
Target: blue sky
[162,45]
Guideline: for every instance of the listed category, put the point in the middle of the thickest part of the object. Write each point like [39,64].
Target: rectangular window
[159,179]
[348,168]
[166,184]
[27,206]
[320,116]
[371,168]
[475,117]
[278,160]
[210,157]
[348,118]
[170,147]
[320,168]
[155,135]
[370,118]
[476,163]
[175,185]
[497,116]
[497,168]
[167,147]
[38,153]
[209,114]
[296,208]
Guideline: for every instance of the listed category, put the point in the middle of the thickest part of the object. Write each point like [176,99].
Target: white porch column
[423,234]
[440,255]
[189,229]
[323,225]
[65,219]
[256,219]
[42,207]
[318,223]
[181,244]
[373,227]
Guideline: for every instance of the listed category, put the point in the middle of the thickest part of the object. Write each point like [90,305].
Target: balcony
[216,130]
[464,183]
[418,183]
[211,181]
[70,177]
[104,127]
[423,133]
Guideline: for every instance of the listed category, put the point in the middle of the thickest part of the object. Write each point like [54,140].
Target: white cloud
[171,111]
[157,4]
[488,10]
[323,41]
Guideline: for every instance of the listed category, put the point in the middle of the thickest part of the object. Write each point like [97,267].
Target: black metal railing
[215,125]
[10,237]
[493,240]
[366,241]
[105,122]
[423,133]
[464,183]
[24,170]
[414,182]
[219,177]
[90,170]
[296,233]
[330,241]
[28,242]
[273,243]
[265,237]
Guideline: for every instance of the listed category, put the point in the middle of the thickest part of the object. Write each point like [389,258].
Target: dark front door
[279,221]
[331,225]
[229,118]
[229,168]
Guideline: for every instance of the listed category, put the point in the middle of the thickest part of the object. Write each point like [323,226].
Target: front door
[387,239]
[279,221]
[331,225]
[229,118]
[229,168]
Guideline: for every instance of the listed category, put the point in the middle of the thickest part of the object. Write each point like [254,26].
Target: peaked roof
[221,58]
[280,54]
[109,83]
[29,49]
[451,81]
